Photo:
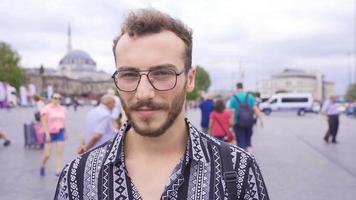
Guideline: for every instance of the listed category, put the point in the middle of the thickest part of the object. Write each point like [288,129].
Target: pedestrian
[39,131]
[206,107]
[98,126]
[159,154]
[221,119]
[3,136]
[246,112]
[116,112]
[53,117]
[75,103]
[39,106]
[331,110]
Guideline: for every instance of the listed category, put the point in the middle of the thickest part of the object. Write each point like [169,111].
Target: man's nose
[145,90]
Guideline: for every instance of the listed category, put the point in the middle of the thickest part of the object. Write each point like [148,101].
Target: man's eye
[162,73]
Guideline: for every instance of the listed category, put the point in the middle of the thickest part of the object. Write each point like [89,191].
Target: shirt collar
[195,147]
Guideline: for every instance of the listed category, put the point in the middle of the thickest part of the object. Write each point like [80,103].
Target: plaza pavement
[296,163]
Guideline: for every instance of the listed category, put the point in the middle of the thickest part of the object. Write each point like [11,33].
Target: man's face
[150,111]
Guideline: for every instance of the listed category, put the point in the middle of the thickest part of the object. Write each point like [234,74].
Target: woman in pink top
[220,120]
[53,117]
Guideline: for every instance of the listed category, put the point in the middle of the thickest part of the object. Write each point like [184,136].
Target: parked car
[351,110]
[299,102]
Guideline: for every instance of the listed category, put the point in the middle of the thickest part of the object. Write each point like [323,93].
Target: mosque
[78,64]
[76,74]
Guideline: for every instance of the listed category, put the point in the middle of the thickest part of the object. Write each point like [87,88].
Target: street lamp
[349,68]
[42,70]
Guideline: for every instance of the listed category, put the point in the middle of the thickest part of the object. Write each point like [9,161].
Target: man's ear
[191,79]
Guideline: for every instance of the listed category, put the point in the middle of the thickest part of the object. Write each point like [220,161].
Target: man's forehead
[155,67]
[150,50]
[165,37]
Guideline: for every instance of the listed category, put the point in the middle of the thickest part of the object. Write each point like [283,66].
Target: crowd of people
[49,129]
[234,118]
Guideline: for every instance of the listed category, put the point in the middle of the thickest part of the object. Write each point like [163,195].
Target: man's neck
[172,142]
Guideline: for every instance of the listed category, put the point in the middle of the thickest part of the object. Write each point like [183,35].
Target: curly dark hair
[219,106]
[148,21]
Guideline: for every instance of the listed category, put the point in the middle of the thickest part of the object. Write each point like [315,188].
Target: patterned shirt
[102,174]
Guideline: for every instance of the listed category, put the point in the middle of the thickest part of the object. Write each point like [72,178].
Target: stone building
[76,74]
[297,81]
[68,86]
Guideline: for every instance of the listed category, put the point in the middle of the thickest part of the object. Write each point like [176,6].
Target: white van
[299,102]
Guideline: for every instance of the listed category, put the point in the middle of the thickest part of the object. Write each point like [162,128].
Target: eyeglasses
[56,98]
[161,79]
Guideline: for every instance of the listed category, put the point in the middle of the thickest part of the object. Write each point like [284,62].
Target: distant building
[297,81]
[76,74]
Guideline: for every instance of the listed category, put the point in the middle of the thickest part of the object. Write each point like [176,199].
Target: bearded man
[158,153]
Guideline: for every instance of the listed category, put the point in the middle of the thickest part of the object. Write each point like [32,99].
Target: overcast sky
[263,37]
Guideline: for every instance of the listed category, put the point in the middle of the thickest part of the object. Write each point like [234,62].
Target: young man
[243,129]
[158,154]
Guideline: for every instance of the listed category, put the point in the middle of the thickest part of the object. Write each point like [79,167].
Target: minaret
[69,45]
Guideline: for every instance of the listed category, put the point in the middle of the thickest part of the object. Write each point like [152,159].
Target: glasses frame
[141,73]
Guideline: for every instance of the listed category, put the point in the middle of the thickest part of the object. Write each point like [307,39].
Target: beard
[173,109]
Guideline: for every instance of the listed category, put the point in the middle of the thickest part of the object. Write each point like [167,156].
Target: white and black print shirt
[101,173]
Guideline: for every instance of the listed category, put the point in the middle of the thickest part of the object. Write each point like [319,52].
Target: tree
[202,83]
[351,92]
[202,80]
[193,95]
[281,91]
[10,70]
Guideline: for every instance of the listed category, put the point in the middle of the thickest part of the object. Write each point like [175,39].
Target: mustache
[148,104]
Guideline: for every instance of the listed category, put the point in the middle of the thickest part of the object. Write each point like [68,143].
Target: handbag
[228,134]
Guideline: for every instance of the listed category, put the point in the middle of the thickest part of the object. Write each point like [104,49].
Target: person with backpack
[246,114]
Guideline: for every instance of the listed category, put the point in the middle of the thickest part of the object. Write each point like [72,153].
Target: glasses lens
[162,79]
[127,80]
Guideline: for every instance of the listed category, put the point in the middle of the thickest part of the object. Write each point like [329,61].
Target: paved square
[296,163]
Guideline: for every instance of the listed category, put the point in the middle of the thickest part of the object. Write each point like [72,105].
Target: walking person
[206,107]
[246,111]
[331,110]
[75,103]
[53,117]
[98,127]
[221,119]
[37,126]
[159,154]
[116,111]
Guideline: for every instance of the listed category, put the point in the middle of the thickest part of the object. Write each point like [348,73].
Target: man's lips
[146,112]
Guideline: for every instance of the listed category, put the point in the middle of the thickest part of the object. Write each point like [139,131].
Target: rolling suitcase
[30,135]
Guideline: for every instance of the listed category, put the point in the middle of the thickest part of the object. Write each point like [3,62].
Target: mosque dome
[77,57]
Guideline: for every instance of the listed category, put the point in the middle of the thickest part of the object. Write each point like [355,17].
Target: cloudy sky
[258,37]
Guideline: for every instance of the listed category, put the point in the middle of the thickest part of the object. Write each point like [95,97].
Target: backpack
[245,113]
